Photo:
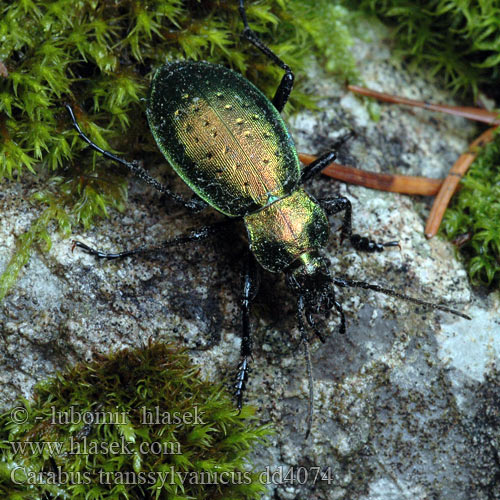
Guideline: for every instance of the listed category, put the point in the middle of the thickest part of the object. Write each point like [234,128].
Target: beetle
[229,144]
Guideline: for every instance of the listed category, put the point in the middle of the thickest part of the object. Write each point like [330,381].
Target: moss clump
[137,456]
[475,213]
[457,40]
[99,56]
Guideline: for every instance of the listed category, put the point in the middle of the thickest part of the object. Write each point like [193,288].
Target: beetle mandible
[228,142]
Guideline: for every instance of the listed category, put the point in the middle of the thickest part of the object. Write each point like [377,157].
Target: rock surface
[407,403]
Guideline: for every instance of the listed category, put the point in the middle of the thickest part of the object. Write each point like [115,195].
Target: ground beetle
[230,145]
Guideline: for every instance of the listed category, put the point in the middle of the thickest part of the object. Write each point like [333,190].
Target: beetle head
[309,278]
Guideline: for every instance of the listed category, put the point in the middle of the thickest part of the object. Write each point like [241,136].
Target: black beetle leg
[195,204]
[339,203]
[324,160]
[250,289]
[338,307]
[317,166]
[344,282]
[283,92]
[196,235]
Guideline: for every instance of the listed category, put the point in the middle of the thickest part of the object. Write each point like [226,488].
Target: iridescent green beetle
[230,145]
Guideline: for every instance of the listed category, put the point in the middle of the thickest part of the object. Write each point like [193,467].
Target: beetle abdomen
[283,231]
[222,136]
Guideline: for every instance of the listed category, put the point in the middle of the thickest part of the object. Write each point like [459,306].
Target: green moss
[99,56]
[124,393]
[475,214]
[454,39]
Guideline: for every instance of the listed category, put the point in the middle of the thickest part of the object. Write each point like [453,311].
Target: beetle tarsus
[366,245]
[241,382]
[338,204]
[94,251]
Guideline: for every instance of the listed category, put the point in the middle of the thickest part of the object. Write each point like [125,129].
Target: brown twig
[460,167]
[451,182]
[404,184]
[477,114]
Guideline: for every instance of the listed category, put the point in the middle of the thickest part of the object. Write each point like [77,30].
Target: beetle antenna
[305,342]
[310,408]
[343,282]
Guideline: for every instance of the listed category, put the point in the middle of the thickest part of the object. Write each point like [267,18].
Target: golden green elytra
[228,142]
[222,135]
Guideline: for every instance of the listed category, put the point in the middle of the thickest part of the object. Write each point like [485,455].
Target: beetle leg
[339,203]
[195,204]
[196,235]
[317,166]
[324,160]
[338,307]
[283,92]
[250,289]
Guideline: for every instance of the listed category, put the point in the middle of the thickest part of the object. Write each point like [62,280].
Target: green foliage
[456,39]
[123,393]
[99,56]
[332,36]
[475,212]
[87,195]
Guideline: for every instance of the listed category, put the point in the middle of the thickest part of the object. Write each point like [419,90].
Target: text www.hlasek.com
[92,447]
